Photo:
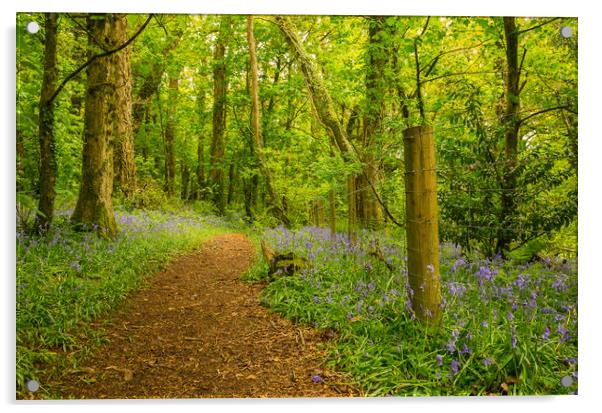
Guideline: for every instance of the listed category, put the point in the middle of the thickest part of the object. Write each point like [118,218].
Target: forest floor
[197,331]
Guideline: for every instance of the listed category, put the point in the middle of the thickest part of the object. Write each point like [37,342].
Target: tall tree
[511,127]
[94,206]
[170,156]
[220,89]
[274,198]
[200,168]
[376,89]
[125,165]
[48,168]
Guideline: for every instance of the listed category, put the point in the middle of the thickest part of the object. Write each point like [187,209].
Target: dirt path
[198,331]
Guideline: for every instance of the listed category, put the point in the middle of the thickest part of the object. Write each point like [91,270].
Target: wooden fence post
[422,223]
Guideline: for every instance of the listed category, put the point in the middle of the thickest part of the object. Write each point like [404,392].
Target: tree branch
[539,112]
[93,58]
[537,26]
[457,74]
[459,49]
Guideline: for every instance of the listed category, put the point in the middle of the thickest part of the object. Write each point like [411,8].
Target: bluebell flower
[454,365]
[439,359]
[459,262]
[317,379]
[546,333]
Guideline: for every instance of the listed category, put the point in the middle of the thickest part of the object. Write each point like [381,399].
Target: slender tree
[220,89]
[170,156]
[200,168]
[274,198]
[511,124]
[376,89]
[48,168]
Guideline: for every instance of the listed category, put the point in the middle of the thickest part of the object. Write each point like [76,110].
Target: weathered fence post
[422,223]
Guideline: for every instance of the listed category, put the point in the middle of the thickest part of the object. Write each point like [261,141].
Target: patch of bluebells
[492,308]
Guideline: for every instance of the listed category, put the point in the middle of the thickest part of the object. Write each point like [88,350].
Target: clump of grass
[506,328]
[65,279]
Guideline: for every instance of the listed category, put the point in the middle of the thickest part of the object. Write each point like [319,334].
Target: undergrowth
[507,328]
[67,279]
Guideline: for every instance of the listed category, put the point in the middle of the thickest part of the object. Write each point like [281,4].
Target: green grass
[504,324]
[67,279]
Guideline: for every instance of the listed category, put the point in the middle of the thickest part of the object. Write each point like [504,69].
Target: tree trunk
[94,207]
[48,168]
[185,173]
[220,88]
[274,198]
[170,157]
[332,216]
[511,127]
[376,89]
[200,168]
[125,165]
[231,180]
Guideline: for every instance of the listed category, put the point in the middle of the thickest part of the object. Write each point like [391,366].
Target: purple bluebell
[454,366]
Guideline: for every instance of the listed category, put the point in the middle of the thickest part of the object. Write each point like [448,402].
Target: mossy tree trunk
[273,197]
[376,89]
[48,167]
[94,207]
[511,126]
[125,165]
[170,156]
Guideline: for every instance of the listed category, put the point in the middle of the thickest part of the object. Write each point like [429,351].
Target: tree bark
[94,209]
[231,180]
[376,89]
[511,128]
[220,89]
[185,173]
[48,168]
[274,198]
[170,157]
[200,168]
[125,164]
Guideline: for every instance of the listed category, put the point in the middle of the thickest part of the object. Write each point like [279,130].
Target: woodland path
[197,331]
